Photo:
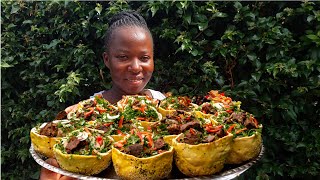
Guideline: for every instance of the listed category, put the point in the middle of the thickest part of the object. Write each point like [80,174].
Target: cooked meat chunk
[192,124]
[171,121]
[50,129]
[61,115]
[210,138]
[135,149]
[174,129]
[72,144]
[103,128]
[248,123]
[221,133]
[208,109]
[192,138]
[159,143]
[236,117]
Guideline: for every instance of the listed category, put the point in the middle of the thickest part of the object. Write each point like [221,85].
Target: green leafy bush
[265,54]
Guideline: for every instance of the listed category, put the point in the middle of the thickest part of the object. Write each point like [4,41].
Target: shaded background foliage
[265,54]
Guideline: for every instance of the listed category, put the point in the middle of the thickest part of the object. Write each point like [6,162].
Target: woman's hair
[124,18]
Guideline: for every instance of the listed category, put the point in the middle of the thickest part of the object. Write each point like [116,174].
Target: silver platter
[229,172]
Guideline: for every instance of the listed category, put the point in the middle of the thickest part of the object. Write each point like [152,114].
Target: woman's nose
[135,65]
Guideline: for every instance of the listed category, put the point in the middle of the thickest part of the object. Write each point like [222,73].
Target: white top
[155,94]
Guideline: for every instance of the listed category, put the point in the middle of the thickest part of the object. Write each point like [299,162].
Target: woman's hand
[46,174]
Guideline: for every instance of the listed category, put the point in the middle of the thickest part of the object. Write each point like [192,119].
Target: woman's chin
[134,90]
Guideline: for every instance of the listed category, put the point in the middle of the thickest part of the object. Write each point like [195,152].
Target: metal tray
[228,172]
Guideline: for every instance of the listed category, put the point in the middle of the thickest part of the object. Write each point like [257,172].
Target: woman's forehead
[125,38]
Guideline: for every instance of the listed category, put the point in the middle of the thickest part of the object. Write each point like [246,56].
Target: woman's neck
[112,95]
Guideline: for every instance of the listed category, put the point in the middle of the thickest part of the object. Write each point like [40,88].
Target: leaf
[98,8]
[313,37]
[251,56]
[203,25]
[27,22]
[14,9]
[208,32]
[154,10]
[5,65]
[256,76]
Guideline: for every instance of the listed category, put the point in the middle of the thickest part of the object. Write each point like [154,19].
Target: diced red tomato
[150,140]
[89,113]
[140,136]
[141,118]
[99,140]
[241,130]
[119,132]
[118,144]
[108,124]
[192,131]
[120,122]
[101,110]
[142,108]
[231,127]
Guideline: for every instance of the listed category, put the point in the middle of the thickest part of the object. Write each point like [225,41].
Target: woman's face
[130,59]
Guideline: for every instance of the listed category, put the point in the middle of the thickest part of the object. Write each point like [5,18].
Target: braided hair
[122,19]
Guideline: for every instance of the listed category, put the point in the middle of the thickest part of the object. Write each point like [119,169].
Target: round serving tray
[229,171]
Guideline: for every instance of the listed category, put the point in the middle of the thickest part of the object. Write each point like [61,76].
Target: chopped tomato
[101,110]
[231,127]
[108,124]
[89,113]
[241,130]
[214,129]
[99,140]
[118,144]
[192,131]
[222,94]
[150,140]
[254,121]
[142,108]
[141,118]
[119,132]
[121,122]
[98,95]
[140,136]
[229,111]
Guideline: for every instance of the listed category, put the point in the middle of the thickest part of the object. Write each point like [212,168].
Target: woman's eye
[145,58]
[122,57]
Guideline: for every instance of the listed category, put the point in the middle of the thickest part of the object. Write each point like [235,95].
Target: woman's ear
[106,59]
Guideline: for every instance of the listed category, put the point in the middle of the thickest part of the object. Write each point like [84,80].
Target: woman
[129,57]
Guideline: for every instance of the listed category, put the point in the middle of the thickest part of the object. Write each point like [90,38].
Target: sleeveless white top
[155,94]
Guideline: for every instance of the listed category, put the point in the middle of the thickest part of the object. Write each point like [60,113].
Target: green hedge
[265,54]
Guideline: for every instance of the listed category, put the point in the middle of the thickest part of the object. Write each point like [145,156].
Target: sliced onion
[82,136]
[43,125]
[112,117]
[64,121]
[218,105]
